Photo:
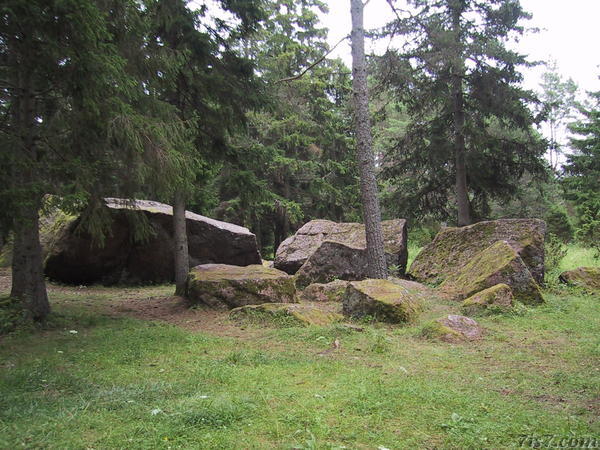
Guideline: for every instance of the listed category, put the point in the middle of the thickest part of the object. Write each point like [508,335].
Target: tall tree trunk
[182,259]
[28,283]
[364,151]
[461,191]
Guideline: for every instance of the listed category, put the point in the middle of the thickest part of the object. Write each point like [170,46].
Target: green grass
[125,383]
[578,256]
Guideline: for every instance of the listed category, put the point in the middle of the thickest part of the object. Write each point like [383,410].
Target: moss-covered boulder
[286,314]
[499,297]
[453,328]
[382,300]
[453,248]
[324,292]
[499,263]
[297,249]
[226,286]
[585,277]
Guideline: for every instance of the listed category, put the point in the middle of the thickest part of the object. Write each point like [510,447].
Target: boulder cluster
[319,274]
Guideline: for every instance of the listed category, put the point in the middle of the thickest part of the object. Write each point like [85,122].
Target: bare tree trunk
[364,151]
[461,191]
[28,283]
[182,260]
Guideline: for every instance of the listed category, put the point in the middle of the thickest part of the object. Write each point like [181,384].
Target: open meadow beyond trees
[135,368]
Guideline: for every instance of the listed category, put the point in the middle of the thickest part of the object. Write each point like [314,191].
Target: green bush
[558,223]
[556,250]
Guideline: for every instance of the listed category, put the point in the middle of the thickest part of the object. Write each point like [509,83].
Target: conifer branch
[317,62]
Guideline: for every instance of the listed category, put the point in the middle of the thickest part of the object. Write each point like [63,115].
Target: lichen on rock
[382,300]
[497,297]
[324,292]
[499,263]
[222,285]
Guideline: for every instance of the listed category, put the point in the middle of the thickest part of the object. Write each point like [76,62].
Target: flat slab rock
[453,329]
[287,314]
[499,296]
[585,277]
[382,300]
[295,250]
[226,286]
[499,263]
[74,258]
[452,248]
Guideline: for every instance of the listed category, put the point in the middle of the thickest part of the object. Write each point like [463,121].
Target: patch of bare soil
[177,311]
[132,302]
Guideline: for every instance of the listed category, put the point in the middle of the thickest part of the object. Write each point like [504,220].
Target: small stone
[453,329]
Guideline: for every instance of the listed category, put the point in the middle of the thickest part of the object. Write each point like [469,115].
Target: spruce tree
[74,117]
[470,135]
[582,172]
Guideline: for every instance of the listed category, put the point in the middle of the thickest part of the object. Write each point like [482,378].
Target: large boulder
[333,261]
[585,277]
[499,263]
[286,314]
[74,257]
[382,300]
[453,329]
[452,248]
[226,286]
[297,249]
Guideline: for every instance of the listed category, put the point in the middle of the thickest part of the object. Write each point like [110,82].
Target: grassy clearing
[125,383]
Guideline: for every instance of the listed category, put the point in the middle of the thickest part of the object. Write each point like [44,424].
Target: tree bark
[28,283]
[364,151]
[461,190]
[182,259]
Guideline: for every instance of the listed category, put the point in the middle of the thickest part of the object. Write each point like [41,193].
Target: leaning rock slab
[333,261]
[297,249]
[497,264]
[290,314]
[324,292]
[74,258]
[452,248]
[453,329]
[499,296]
[226,286]
[585,277]
[382,300]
